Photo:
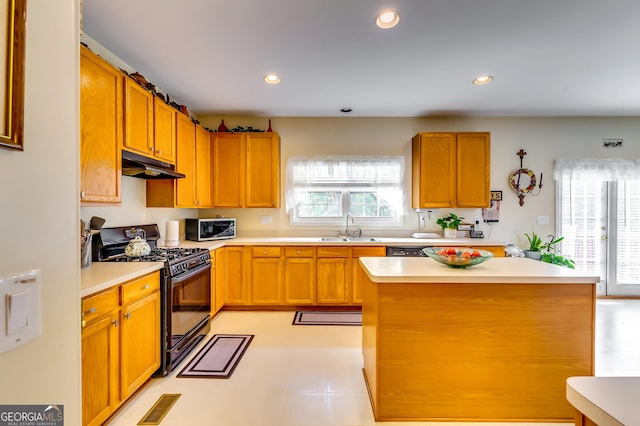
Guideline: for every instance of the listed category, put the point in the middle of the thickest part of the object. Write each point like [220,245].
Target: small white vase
[450,233]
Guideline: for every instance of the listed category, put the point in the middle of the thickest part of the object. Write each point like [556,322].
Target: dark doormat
[219,357]
[327,318]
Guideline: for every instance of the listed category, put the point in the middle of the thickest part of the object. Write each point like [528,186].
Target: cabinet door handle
[127,315]
[114,323]
[144,287]
[265,252]
[298,252]
[158,152]
[90,311]
[82,194]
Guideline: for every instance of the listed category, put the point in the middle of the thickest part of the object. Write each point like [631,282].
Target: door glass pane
[628,233]
[582,213]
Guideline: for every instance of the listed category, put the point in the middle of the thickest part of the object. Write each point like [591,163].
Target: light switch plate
[20,310]
[543,220]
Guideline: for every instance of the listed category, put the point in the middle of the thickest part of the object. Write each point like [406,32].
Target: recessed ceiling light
[483,80]
[271,79]
[387,19]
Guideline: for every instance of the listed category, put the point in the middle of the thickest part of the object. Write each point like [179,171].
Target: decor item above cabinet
[246,169]
[100,130]
[451,170]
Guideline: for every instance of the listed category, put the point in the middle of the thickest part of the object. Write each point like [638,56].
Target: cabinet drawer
[333,252]
[298,251]
[266,251]
[98,305]
[369,251]
[140,287]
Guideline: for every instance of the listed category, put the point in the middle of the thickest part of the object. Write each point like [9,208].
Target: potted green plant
[535,246]
[550,254]
[449,224]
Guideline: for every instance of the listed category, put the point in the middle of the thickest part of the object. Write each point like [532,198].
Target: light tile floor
[312,375]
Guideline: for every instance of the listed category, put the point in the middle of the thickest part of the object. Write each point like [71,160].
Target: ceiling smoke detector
[387,19]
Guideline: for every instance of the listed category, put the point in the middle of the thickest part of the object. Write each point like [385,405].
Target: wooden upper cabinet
[434,168]
[164,131]
[138,118]
[473,168]
[203,179]
[228,169]
[100,130]
[185,161]
[246,170]
[263,170]
[193,159]
[450,170]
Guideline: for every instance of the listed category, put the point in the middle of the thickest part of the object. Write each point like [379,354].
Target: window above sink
[324,190]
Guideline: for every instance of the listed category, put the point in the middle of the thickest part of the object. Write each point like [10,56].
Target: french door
[600,222]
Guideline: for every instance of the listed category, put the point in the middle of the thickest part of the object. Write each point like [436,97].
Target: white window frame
[297,186]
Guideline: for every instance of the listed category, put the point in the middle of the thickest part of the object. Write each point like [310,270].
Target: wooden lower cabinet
[294,275]
[333,279]
[140,337]
[299,276]
[357,253]
[266,276]
[236,271]
[219,279]
[100,369]
[120,345]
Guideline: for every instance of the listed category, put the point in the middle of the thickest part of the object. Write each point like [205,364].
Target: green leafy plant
[558,259]
[551,254]
[452,221]
[535,242]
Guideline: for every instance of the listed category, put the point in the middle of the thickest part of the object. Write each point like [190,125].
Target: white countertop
[379,241]
[495,270]
[103,275]
[607,401]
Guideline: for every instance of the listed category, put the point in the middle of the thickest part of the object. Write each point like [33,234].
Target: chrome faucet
[346,231]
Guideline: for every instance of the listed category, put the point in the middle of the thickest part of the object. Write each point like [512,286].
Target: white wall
[40,212]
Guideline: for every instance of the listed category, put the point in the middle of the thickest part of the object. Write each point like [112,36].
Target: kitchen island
[493,342]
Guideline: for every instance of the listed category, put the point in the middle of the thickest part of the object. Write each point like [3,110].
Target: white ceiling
[548,57]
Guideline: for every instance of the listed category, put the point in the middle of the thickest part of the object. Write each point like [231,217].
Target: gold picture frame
[12,74]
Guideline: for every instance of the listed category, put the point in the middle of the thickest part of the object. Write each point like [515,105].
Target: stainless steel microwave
[210,229]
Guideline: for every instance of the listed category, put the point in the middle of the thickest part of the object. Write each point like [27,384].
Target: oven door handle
[178,279]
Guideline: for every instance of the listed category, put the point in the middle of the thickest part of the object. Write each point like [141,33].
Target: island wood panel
[495,352]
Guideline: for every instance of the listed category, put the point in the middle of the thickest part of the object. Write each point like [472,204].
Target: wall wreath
[516,177]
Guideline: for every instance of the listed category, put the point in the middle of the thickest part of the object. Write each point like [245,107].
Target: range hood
[142,167]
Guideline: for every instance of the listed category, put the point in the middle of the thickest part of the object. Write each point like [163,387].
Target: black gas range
[185,287]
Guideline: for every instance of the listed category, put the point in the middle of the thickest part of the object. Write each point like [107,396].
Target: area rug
[219,357]
[327,318]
